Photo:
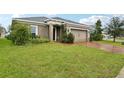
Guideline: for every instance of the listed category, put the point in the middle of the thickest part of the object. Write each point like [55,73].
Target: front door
[56,33]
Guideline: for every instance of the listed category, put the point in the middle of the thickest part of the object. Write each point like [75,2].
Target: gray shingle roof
[37,19]
[65,20]
[43,19]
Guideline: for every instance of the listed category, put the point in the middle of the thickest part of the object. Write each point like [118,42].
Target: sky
[5,19]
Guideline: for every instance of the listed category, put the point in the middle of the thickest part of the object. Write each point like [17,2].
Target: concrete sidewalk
[121,74]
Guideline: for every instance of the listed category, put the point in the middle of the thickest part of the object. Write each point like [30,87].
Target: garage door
[80,35]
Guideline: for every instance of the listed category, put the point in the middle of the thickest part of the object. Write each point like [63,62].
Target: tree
[98,26]
[9,28]
[20,33]
[115,27]
[97,34]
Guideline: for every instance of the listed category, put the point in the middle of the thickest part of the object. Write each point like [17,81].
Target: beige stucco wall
[43,31]
[42,28]
[77,26]
[80,35]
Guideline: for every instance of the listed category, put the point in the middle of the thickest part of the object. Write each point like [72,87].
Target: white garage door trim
[78,37]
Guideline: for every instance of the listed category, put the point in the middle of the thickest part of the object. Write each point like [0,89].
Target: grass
[111,42]
[57,60]
[4,42]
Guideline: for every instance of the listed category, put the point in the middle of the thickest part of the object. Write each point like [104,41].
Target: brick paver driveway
[106,47]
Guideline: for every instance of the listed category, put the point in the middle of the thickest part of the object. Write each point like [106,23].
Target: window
[34,30]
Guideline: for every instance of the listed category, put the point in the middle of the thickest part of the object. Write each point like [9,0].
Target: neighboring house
[106,36]
[52,28]
[2,32]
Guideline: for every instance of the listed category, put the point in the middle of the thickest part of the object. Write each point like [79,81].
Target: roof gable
[66,20]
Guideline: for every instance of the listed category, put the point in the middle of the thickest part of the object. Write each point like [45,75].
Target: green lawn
[111,42]
[57,60]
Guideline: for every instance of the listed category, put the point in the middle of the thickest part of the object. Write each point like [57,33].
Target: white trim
[55,34]
[69,30]
[36,28]
[78,28]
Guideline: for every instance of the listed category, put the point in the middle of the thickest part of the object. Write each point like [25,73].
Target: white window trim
[36,28]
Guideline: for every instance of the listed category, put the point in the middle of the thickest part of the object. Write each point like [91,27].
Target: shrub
[8,37]
[122,43]
[91,37]
[33,36]
[95,37]
[68,38]
[37,36]
[39,40]
[64,37]
[36,41]
[20,33]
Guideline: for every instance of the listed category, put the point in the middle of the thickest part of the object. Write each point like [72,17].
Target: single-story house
[52,28]
[2,32]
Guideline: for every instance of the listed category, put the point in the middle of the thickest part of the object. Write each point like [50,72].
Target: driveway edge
[121,74]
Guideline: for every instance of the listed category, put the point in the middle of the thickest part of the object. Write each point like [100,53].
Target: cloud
[17,15]
[51,15]
[121,16]
[6,19]
[118,15]
[93,19]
